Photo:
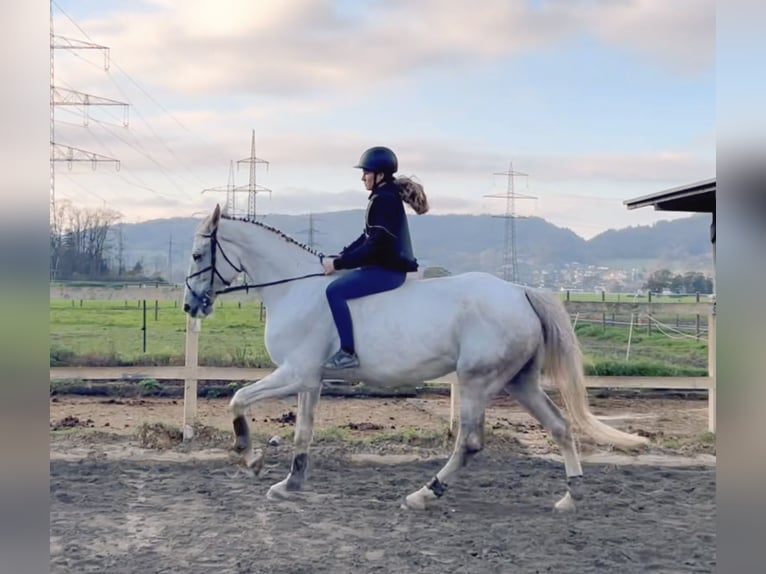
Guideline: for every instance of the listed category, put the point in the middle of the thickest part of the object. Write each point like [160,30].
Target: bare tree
[79,246]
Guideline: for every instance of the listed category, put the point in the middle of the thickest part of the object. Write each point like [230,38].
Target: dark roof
[696,197]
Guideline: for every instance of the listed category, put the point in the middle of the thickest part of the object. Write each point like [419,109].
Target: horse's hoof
[565,505]
[254,461]
[240,445]
[414,501]
[279,491]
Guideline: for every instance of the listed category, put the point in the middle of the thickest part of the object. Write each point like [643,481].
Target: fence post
[144,324]
[630,337]
[190,383]
[711,368]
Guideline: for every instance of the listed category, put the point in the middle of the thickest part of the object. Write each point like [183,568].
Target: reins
[269,284]
[215,247]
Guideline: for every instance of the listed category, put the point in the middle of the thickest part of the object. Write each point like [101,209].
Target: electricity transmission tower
[230,207]
[312,232]
[510,258]
[252,188]
[170,260]
[66,97]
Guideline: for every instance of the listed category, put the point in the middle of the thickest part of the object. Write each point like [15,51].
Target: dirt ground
[117,506]
[671,423]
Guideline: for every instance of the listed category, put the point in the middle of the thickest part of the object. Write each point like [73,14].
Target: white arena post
[711,366]
[193,327]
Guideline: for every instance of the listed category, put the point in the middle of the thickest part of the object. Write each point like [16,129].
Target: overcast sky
[598,101]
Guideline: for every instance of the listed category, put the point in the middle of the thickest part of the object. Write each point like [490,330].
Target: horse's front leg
[282,382]
[304,430]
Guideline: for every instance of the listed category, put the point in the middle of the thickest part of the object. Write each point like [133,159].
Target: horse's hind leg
[469,441]
[525,388]
[304,430]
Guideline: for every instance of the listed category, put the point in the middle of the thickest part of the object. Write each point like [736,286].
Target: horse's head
[210,268]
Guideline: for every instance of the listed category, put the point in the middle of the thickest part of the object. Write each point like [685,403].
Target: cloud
[678,35]
[645,167]
[236,64]
[299,201]
[303,165]
[297,47]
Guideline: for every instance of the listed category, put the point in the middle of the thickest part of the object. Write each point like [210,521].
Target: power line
[115,64]
[69,97]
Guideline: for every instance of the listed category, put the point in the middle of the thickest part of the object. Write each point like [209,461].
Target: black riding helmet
[379,160]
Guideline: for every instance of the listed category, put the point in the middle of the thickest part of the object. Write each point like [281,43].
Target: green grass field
[109,333]
[101,333]
[630,298]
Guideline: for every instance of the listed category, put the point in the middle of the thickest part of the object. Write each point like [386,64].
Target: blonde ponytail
[412,194]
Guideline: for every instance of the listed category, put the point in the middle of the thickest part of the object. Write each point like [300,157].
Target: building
[696,197]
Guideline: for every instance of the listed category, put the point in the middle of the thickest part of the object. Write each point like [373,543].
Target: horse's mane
[280,233]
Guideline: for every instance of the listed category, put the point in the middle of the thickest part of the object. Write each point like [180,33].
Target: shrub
[640,369]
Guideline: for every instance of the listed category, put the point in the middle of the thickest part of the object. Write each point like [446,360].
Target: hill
[547,254]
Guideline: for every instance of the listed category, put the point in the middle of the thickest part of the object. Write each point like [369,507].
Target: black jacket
[386,238]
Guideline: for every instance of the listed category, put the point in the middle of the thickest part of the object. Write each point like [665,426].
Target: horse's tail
[563,364]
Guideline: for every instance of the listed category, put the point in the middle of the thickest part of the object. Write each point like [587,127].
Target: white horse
[496,335]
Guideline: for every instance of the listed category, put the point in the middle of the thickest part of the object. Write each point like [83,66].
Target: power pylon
[253,188]
[312,232]
[66,97]
[510,258]
[230,207]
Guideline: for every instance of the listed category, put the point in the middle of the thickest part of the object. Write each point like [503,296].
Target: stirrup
[341,360]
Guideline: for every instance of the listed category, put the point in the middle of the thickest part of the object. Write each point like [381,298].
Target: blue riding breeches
[358,283]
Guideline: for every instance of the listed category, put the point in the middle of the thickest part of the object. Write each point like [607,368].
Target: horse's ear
[216,216]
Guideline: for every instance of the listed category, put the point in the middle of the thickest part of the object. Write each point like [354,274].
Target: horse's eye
[196,256]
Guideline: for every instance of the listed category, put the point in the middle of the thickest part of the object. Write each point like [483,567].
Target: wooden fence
[192,372]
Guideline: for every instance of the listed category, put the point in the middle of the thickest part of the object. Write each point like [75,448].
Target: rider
[382,255]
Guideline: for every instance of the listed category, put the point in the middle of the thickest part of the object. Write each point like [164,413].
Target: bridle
[205,299]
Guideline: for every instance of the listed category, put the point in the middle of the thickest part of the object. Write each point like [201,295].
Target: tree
[696,282]
[689,282]
[659,280]
[677,285]
[79,247]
